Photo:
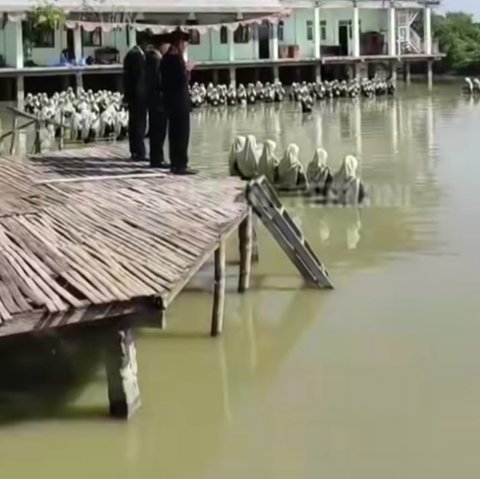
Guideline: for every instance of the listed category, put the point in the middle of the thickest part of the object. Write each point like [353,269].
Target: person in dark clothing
[135,97]
[175,77]
[157,116]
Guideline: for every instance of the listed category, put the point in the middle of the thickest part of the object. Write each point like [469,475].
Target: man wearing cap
[157,116]
[135,97]
[175,77]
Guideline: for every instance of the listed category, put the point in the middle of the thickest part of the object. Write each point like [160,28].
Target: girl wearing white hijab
[237,149]
[346,187]
[247,162]
[318,173]
[268,164]
[291,174]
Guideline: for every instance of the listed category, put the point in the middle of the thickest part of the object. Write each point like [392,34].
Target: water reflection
[301,379]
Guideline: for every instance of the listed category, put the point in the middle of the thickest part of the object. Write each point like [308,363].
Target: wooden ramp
[266,204]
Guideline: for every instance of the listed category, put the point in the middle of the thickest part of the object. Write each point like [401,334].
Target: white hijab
[268,161]
[317,170]
[345,186]
[235,151]
[290,168]
[247,162]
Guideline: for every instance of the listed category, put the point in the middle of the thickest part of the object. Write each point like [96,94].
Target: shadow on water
[42,375]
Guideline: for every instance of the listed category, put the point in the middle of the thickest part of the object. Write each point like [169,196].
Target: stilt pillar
[79,81]
[121,366]
[408,73]
[233,77]
[430,74]
[276,74]
[215,77]
[219,291]
[393,71]
[20,92]
[318,73]
[245,237]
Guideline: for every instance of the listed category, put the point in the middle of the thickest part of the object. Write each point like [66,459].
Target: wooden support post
[245,239]
[219,291]
[121,365]
[215,76]
[163,319]
[255,252]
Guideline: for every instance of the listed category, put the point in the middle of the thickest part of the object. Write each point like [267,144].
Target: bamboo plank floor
[87,234]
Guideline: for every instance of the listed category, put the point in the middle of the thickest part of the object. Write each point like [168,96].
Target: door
[343,38]
[264,41]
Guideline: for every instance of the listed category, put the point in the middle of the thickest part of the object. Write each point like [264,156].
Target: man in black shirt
[175,77]
[135,97]
[157,116]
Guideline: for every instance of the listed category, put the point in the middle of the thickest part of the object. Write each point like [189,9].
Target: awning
[154,6]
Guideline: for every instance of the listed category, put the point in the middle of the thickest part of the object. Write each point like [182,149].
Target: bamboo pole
[255,253]
[219,291]
[246,243]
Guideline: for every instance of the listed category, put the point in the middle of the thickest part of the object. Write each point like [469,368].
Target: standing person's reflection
[175,77]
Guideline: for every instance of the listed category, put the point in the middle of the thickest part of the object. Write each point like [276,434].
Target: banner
[158,29]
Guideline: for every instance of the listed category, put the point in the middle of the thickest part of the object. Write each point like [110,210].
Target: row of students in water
[221,95]
[249,160]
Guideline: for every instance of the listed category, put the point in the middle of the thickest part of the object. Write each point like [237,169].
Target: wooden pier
[87,235]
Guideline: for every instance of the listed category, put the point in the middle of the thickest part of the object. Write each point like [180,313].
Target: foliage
[47,15]
[459,39]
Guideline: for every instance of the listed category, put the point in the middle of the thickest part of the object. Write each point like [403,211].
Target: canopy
[154,6]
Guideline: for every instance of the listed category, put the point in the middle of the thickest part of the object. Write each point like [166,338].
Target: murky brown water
[377,379]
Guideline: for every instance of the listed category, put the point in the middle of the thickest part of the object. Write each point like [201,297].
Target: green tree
[459,38]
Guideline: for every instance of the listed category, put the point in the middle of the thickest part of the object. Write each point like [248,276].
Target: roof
[167,6]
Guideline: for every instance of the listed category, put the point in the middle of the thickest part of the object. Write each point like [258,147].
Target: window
[38,37]
[280,30]
[194,34]
[323,30]
[309,30]
[242,34]
[92,39]
[223,35]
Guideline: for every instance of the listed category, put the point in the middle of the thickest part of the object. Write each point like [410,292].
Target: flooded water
[376,379]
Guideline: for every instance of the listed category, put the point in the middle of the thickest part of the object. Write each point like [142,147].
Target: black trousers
[179,137]
[157,132]
[137,126]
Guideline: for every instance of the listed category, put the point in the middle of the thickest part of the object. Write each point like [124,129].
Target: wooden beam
[219,291]
[40,320]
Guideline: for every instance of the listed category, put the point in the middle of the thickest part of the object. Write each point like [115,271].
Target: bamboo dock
[88,235]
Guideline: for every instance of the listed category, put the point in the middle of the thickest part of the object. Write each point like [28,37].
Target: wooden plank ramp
[266,204]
